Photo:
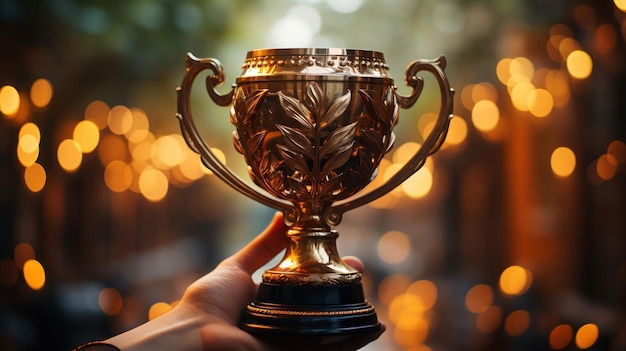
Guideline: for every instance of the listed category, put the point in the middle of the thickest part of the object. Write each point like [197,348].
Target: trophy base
[319,313]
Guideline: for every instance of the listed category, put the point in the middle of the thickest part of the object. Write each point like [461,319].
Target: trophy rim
[314,51]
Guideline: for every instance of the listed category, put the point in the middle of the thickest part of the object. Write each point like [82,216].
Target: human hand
[206,317]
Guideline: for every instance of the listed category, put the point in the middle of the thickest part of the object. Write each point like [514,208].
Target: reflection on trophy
[313,126]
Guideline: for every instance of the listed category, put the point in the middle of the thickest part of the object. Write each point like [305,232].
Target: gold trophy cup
[313,125]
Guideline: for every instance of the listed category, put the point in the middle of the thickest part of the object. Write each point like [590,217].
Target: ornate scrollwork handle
[197,143]
[431,144]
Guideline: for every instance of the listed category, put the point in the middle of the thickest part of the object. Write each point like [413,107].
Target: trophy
[313,125]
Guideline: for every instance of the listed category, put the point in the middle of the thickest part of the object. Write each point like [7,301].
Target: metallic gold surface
[313,125]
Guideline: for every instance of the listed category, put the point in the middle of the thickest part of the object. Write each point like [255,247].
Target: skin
[206,316]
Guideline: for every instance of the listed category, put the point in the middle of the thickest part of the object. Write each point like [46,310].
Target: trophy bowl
[313,125]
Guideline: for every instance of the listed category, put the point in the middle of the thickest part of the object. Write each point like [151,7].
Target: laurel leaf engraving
[264,162]
[331,185]
[315,98]
[373,140]
[294,109]
[375,106]
[338,159]
[295,184]
[296,140]
[252,102]
[255,142]
[339,138]
[337,107]
[293,160]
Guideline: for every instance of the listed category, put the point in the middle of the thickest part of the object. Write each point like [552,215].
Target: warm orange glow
[484,91]
[517,322]
[606,38]
[41,92]
[520,94]
[457,132]
[394,247]
[404,152]
[139,127]
[110,301]
[503,70]
[411,331]
[28,144]
[9,101]
[34,274]
[392,286]
[620,4]
[158,309]
[112,147]
[69,155]
[98,112]
[521,69]
[556,82]
[478,298]
[419,184]
[426,123]
[617,149]
[485,115]
[190,166]
[153,184]
[587,335]
[120,119]
[426,291]
[606,167]
[167,152]
[219,154]
[87,135]
[563,161]
[23,253]
[567,46]
[561,336]
[579,64]
[540,102]
[489,319]
[117,176]
[35,177]
[515,280]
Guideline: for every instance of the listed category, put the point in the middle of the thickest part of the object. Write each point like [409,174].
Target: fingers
[264,247]
[354,262]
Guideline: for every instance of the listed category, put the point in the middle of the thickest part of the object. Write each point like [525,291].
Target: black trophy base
[314,313]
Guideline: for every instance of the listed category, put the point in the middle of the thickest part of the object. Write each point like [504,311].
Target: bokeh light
[69,155]
[561,336]
[517,322]
[87,135]
[394,247]
[479,298]
[110,301]
[485,115]
[158,309]
[35,177]
[587,335]
[563,161]
[9,101]
[579,64]
[489,319]
[515,280]
[34,274]
[41,92]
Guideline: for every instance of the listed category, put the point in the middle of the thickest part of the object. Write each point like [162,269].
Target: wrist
[178,329]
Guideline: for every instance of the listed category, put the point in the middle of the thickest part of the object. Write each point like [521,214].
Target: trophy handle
[434,141]
[197,143]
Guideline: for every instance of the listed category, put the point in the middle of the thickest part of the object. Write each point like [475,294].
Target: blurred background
[512,237]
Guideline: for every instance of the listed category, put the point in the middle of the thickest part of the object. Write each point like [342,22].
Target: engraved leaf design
[255,142]
[295,110]
[373,140]
[337,107]
[339,138]
[264,163]
[297,186]
[375,106]
[315,98]
[331,185]
[293,159]
[338,159]
[252,103]
[296,140]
